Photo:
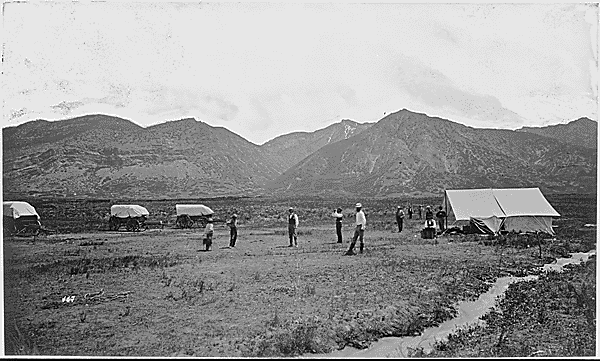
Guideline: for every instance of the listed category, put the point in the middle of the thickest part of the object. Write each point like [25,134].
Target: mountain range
[404,153]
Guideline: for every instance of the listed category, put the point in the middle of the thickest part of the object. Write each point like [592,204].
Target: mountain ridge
[404,153]
[411,153]
[581,132]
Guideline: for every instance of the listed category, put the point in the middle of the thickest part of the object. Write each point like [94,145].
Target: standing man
[292,225]
[337,214]
[208,234]
[232,230]
[420,211]
[441,216]
[359,231]
[399,218]
[410,211]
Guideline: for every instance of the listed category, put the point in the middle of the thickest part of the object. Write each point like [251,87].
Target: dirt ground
[156,293]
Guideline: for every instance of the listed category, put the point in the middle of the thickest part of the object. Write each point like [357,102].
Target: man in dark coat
[337,214]
[441,217]
[233,230]
[400,218]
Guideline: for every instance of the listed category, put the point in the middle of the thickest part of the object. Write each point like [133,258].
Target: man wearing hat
[337,214]
[359,231]
[292,225]
[232,230]
[399,218]
[208,234]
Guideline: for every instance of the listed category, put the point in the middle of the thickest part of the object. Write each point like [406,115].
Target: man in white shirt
[208,234]
[359,231]
[292,225]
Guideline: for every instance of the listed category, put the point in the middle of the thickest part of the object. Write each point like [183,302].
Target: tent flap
[490,225]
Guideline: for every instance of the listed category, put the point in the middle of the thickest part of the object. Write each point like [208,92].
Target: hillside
[104,156]
[582,132]
[409,153]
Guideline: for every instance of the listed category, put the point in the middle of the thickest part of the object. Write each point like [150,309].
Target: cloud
[65,108]
[218,108]
[446,35]
[349,95]
[119,95]
[262,119]
[14,114]
[433,89]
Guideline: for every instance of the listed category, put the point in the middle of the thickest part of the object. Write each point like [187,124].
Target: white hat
[358,205]
[398,206]
[291,208]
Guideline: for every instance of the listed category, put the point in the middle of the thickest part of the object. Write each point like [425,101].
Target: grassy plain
[154,293]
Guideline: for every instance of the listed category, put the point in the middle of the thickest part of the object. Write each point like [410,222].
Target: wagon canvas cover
[130,210]
[18,209]
[193,210]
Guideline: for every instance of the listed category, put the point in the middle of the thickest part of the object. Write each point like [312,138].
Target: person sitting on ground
[428,231]
[429,222]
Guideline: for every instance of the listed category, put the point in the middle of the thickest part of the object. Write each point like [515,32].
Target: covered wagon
[189,215]
[20,218]
[132,216]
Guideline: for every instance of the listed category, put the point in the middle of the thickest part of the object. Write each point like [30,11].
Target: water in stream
[469,313]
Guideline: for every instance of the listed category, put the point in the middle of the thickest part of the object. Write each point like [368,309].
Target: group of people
[429,221]
[359,230]
[209,231]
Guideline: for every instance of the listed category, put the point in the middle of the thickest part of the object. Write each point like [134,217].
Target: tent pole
[446,207]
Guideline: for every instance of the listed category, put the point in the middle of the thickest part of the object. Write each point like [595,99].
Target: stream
[469,313]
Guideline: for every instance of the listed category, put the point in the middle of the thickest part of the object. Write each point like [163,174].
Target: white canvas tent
[516,209]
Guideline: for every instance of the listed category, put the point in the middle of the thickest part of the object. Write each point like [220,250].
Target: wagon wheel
[113,224]
[133,225]
[35,230]
[7,231]
[142,225]
[185,221]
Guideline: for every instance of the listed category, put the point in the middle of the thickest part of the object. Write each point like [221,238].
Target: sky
[267,69]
